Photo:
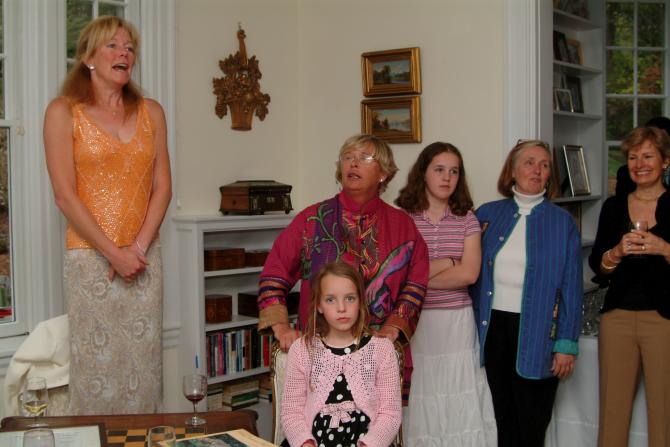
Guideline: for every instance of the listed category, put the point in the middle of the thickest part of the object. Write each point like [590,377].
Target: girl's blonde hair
[77,86]
[317,324]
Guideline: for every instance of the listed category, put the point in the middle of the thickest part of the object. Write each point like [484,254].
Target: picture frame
[575,55]
[391,72]
[395,120]
[559,80]
[576,168]
[560,47]
[576,7]
[574,84]
[563,100]
[560,174]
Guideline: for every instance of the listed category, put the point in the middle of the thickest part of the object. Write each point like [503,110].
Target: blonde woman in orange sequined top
[106,152]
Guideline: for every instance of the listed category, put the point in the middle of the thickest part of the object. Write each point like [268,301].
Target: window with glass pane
[6,302]
[80,12]
[636,77]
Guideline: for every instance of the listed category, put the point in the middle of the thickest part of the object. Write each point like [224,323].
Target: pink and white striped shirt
[446,240]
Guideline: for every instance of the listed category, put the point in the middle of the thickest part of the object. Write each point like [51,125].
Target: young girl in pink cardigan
[342,385]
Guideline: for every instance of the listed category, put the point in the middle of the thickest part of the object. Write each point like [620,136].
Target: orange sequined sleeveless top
[114,179]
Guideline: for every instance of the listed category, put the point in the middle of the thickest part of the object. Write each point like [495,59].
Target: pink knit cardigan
[372,375]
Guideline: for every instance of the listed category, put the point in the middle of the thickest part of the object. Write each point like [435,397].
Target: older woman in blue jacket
[528,298]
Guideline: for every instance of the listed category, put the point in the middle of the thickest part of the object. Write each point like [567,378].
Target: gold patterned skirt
[115,335]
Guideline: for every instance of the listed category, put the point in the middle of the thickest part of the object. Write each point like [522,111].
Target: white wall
[209,152]
[309,53]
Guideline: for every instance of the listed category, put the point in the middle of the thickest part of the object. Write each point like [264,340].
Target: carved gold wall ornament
[239,88]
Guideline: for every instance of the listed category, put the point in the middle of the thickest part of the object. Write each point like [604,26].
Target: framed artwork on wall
[395,120]
[391,72]
[576,167]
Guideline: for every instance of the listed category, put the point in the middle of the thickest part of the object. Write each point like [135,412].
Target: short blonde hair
[506,179]
[383,154]
[77,85]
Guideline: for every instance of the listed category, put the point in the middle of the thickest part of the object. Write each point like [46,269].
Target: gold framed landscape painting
[395,120]
[391,72]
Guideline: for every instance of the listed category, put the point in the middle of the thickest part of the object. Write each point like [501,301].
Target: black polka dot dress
[347,433]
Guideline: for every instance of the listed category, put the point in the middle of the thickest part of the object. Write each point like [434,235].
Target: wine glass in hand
[639,225]
[195,388]
[35,398]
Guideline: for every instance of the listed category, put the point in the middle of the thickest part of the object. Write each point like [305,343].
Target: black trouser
[522,406]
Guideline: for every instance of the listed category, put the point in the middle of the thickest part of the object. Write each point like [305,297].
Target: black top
[637,283]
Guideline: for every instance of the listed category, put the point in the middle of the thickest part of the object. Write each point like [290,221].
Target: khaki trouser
[630,341]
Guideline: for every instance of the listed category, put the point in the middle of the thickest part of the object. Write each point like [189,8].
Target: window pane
[648,108]
[6,303]
[619,71]
[615,159]
[79,13]
[2,88]
[650,72]
[650,24]
[2,29]
[620,24]
[619,117]
[105,9]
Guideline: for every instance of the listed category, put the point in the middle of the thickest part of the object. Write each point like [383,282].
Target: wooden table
[138,424]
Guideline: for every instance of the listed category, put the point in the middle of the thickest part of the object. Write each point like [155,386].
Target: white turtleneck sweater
[510,264]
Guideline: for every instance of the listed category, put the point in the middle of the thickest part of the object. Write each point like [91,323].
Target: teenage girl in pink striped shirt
[450,403]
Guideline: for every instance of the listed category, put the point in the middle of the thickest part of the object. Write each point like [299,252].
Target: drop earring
[91,67]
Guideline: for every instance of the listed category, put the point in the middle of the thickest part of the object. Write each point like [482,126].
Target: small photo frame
[576,167]
[575,55]
[560,174]
[560,47]
[574,84]
[563,100]
[395,120]
[391,72]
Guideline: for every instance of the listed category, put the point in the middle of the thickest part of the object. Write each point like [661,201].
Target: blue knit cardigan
[551,306]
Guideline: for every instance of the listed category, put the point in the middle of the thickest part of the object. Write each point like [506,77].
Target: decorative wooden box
[222,258]
[247,303]
[218,308]
[255,258]
[255,197]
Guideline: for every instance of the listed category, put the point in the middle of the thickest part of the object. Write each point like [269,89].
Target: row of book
[234,351]
[233,395]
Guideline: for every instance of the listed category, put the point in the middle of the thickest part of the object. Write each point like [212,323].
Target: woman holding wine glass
[631,255]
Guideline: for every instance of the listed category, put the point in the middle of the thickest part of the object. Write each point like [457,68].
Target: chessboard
[138,437]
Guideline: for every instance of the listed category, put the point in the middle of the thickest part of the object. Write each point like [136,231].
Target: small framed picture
[576,167]
[574,84]
[575,55]
[563,100]
[560,47]
[391,72]
[560,174]
[559,80]
[395,120]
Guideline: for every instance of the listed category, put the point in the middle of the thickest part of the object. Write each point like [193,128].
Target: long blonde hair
[77,86]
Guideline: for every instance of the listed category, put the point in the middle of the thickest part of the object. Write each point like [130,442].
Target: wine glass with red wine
[195,388]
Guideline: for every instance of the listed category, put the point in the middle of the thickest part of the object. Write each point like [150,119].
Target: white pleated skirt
[450,403]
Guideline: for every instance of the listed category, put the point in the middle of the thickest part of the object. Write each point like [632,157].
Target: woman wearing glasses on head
[528,298]
[359,228]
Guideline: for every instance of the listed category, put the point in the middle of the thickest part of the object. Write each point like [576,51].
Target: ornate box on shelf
[255,197]
[222,258]
[218,308]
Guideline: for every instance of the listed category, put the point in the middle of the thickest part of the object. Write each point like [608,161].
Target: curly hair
[77,86]
[412,197]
